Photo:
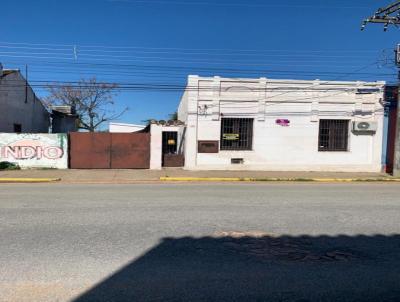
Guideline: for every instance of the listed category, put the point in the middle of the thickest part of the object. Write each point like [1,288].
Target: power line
[187,49]
[157,66]
[179,87]
[110,57]
[179,73]
[184,74]
[118,66]
[163,60]
[282,52]
[231,4]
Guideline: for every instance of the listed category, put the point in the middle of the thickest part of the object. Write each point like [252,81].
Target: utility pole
[26,84]
[390,15]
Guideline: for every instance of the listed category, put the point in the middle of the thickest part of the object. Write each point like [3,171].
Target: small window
[333,135]
[237,161]
[17,128]
[236,134]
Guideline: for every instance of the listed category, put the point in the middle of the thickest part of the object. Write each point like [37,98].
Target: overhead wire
[230,4]
[89,63]
[224,50]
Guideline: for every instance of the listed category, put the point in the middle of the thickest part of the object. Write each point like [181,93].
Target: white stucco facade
[277,147]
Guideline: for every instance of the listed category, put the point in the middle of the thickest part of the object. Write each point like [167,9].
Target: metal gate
[109,150]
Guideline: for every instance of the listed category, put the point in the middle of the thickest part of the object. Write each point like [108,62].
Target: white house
[124,128]
[282,125]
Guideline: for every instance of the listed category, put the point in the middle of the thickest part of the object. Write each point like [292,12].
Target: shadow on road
[242,267]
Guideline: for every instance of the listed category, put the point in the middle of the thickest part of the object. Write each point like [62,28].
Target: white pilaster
[262,98]
[155,147]
[216,86]
[315,101]
[192,120]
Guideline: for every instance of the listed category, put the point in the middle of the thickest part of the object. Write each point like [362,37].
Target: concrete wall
[35,150]
[21,106]
[278,148]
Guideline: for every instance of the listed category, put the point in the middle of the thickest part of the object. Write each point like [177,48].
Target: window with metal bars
[236,134]
[333,135]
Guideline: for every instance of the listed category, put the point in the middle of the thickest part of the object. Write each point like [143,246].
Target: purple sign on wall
[283,122]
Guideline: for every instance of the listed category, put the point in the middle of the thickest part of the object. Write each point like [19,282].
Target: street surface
[200,242]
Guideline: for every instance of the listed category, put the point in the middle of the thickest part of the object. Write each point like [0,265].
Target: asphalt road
[198,242]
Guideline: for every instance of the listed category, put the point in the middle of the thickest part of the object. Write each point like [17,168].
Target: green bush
[5,165]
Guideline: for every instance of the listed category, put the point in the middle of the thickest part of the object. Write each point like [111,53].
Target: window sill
[330,151]
[237,151]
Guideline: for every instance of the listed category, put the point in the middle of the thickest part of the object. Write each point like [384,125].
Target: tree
[91,99]
[174,116]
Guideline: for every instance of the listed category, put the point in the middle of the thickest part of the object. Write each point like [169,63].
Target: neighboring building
[391,103]
[64,119]
[283,125]
[20,109]
[124,128]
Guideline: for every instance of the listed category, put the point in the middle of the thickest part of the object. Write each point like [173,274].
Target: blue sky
[145,44]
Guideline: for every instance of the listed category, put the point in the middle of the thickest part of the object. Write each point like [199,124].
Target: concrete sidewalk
[132,176]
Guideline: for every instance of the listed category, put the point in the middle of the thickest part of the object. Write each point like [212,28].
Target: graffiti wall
[35,150]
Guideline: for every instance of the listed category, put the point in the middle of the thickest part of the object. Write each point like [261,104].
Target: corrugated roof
[9,71]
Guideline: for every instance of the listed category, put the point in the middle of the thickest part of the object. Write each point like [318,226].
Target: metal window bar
[333,135]
[241,131]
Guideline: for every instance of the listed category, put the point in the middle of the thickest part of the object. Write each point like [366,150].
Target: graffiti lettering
[31,152]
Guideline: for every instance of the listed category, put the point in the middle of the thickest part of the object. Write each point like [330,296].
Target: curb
[28,180]
[272,179]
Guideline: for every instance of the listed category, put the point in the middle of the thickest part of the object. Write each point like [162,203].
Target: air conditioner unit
[362,126]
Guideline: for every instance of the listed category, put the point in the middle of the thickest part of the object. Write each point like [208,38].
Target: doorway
[170,154]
